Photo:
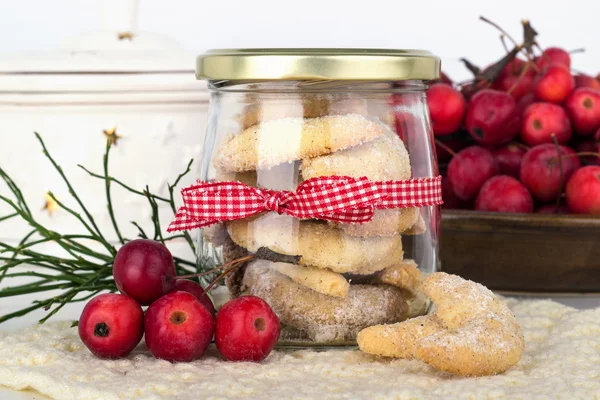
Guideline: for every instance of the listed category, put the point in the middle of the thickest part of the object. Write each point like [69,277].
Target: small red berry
[247,329]
[178,327]
[509,159]
[469,170]
[144,270]
[525,102]
[510,78]
[492,117]
[541,172]
[541,121]
[185,285]
[111,325]
[583,80]
[446,108]
[554,85]
[583,191]
[554,56]
[589,146]
[451,201]
[583,106]
[504,193]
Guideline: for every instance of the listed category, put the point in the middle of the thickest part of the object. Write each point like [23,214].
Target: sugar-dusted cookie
[308,105]
[284,140]
[318,244]
[472,332]
[385,222]
[382,159]
[317,279]
[404,274]
[325,318]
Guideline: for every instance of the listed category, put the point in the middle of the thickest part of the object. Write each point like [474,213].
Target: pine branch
[82,272]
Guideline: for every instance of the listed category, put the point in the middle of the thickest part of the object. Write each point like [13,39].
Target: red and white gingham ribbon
[333,198]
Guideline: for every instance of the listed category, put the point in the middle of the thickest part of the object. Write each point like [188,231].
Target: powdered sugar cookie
[317,279]
[318,244]
[472,333]
[382,159]
[324,318]
[263,109]
[284,140]
[385,222]
[405,275]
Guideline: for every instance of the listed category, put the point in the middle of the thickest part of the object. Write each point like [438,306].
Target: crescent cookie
[319,280]
[307,106]
[472,333]
[382,159]
[318,244]
[405,275]
[324,318]
[288,139]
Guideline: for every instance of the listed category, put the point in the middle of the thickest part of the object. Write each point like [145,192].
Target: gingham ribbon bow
[333,198]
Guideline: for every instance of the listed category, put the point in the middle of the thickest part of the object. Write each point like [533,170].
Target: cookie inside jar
[351,267]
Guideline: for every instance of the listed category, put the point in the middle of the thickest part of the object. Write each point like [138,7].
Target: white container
[142,84]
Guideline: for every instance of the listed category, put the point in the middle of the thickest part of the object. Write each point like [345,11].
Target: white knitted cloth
[561,360]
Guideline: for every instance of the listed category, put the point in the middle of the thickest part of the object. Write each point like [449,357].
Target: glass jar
[300,125]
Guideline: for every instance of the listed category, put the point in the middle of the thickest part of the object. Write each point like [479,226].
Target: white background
[449,28]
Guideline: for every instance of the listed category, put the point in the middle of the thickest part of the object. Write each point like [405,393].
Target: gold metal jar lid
[317,64]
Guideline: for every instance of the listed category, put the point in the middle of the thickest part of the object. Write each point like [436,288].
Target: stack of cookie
[349,276]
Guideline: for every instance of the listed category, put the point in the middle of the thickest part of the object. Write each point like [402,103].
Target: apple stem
[211,271]
[495,25]
[521,145]
[582,154]
[520,78]
[445,147]
[502,37]
[239,262]
[263,253]
[560,166]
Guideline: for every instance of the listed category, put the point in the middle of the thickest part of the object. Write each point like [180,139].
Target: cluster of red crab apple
[181,320]
[527,141]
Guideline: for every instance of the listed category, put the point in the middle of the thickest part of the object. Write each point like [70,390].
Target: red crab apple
[541,121]
[446,108]
[492,117]
[541,172]
[144,270]
[178,327]
[504,193]
[111,325]
[510,79]
[583,80]
[554,56]
[451,200]
[185,285]
[247,329]
[525,102]
[583,190]
[583,106]
[469,169]
[589,146]
[509,159]
[554,85]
